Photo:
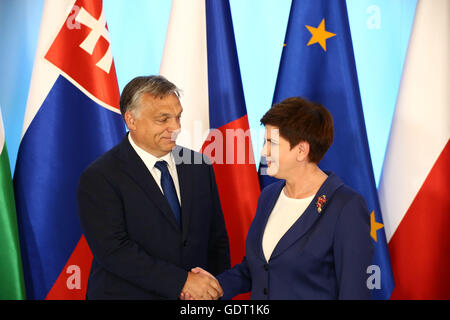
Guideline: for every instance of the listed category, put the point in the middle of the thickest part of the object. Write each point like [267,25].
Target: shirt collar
[150,159]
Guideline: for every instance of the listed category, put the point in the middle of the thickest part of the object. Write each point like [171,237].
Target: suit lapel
[134,166]
[185,179]
[310,216]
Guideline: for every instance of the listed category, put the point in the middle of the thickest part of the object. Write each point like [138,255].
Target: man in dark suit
[149,209]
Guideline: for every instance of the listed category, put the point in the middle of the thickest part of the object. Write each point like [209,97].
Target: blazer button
[185,242]
[266,267]
[265,291]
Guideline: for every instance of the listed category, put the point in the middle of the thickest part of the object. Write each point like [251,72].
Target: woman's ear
[302,151]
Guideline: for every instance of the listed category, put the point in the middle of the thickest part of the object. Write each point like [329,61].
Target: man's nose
[174,124]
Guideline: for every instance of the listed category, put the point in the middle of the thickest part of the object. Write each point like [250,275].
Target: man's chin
[169,145]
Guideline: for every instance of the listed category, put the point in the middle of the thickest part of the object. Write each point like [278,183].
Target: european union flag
[318,63]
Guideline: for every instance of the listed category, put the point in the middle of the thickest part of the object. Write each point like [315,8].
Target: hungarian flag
[72,117]
[11,276]
[416,173]
[200,57]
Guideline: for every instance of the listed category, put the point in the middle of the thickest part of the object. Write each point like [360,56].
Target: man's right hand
[200,286]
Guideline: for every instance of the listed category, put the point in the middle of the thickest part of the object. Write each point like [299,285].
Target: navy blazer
[139,250]
[324,255]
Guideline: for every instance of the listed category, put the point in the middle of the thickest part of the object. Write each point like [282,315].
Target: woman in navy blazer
[323,250]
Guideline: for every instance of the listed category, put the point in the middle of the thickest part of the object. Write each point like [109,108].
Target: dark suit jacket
[138,247]
[322,256]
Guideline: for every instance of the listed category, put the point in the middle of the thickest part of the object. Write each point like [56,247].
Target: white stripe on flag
[185,64]
[44,73]
[421,125]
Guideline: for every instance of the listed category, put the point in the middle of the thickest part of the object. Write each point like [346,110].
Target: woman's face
[278,153]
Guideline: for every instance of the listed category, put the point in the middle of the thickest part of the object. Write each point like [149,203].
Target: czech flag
[72,117]
[200,57]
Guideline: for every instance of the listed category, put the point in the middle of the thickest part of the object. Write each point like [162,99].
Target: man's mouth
[168,139]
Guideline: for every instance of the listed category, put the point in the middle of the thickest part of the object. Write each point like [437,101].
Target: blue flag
[318,63]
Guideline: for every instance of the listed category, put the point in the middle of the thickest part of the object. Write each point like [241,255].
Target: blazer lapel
[136,169]
[267,210]
[310,216]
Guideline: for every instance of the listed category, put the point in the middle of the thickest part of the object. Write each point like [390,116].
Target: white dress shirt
[150,160]
[284,214]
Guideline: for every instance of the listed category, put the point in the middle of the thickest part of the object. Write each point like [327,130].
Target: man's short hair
[301,120]
[157,86]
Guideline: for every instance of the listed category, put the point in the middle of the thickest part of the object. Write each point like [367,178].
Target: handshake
[201,285]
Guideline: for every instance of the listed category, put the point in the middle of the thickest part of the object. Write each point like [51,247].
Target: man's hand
[201,285]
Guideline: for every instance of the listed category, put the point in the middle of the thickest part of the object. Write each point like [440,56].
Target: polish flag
[72,117]
[416,174]
[200,57]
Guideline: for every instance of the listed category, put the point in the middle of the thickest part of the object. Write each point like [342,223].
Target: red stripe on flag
[72,281]
[420,247]
[237,182]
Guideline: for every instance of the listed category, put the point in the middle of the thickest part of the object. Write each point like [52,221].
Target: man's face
[155,123]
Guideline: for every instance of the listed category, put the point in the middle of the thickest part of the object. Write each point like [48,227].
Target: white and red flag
[416,174]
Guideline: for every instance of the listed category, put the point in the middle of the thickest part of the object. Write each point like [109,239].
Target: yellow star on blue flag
[374,226]
[319,35]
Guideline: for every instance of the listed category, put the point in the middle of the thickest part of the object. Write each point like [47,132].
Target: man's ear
[130,120]
[302,151]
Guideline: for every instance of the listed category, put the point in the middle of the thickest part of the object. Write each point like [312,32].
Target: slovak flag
[200,57]
[72,117]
